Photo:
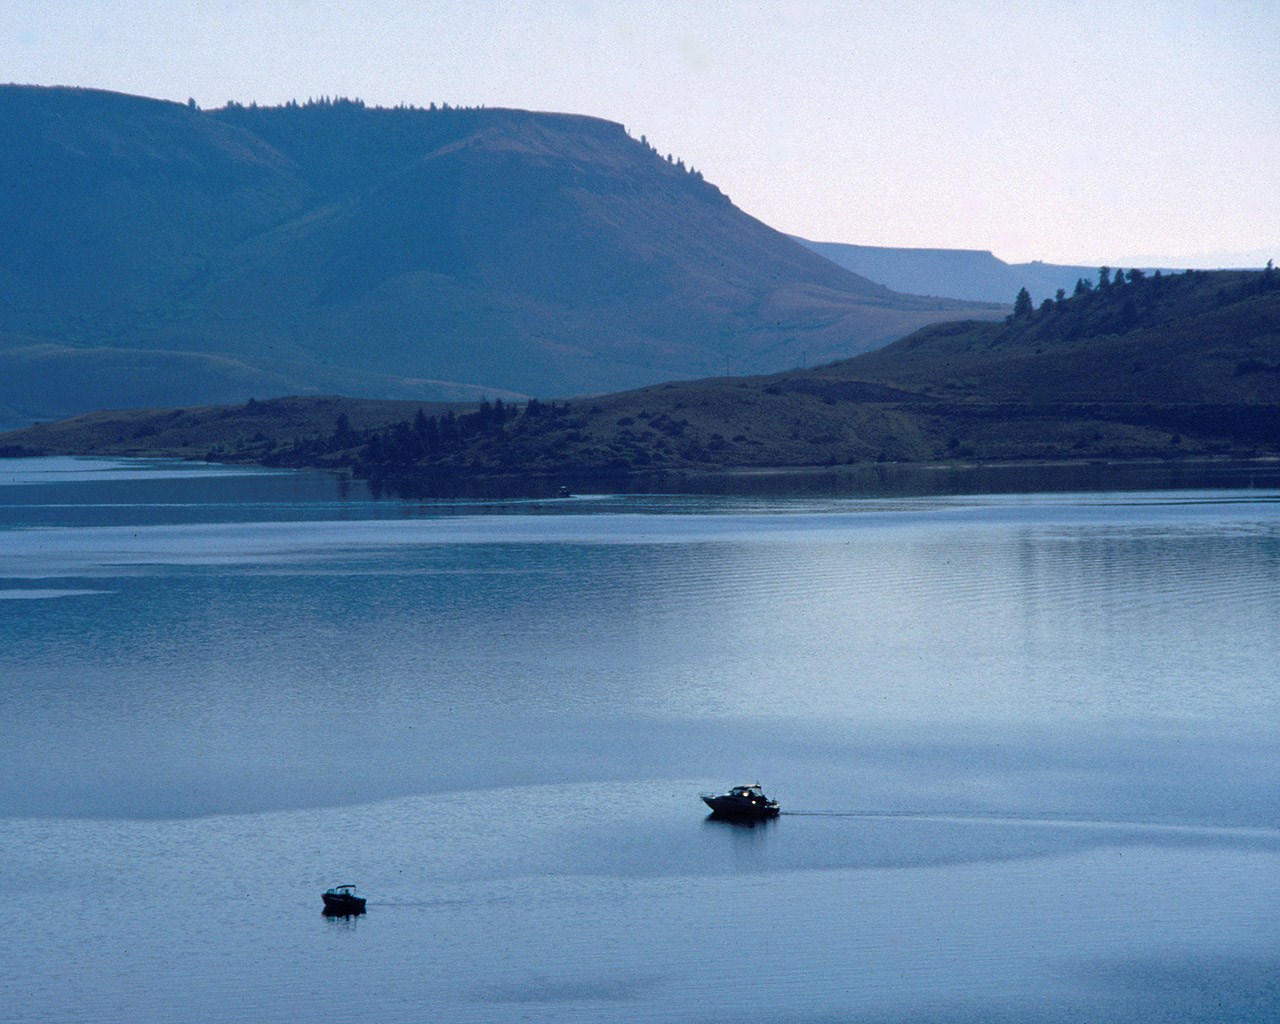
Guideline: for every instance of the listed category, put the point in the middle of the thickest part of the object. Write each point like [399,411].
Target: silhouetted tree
[1104,277]
[1083,287]
[1060,296]
[449,433]
[1022,304]
[342,433]
[404,444]
[1129,312]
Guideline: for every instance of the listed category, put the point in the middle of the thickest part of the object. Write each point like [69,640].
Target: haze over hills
[973,274]
[1155,367]
[154,254]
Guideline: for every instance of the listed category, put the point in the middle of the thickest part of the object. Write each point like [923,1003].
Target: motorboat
[342,899]
[746,803]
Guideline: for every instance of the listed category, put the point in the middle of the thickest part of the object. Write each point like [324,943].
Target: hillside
[973,274]
[253,432]
[157,254]
[1161,367]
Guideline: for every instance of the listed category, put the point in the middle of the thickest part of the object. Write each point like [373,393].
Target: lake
[1027,745]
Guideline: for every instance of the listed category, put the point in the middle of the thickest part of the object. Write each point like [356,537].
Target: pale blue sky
[1073,132]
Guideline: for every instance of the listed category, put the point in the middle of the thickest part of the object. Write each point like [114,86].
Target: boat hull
[740,810]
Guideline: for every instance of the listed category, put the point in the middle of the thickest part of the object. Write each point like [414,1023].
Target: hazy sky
[1102,132]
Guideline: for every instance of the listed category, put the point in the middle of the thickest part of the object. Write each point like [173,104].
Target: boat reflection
[762,824]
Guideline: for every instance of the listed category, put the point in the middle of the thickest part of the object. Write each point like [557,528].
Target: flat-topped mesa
[174,256]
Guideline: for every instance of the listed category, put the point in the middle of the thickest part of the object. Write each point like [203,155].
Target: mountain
[1155,367]
[973,274]
[152,253]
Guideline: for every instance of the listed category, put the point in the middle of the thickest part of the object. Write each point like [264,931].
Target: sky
[1133,133]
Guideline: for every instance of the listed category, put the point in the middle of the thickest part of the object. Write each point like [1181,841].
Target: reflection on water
[887,480]
[96,492]
[343,917]
[750,824]
[1027,748]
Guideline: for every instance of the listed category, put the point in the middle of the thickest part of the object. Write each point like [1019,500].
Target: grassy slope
[1188,365]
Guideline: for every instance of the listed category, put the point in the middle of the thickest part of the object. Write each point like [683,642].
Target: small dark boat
[342,899]
[565,493]
[744,803]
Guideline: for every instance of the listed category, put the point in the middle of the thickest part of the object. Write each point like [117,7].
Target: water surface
[1027,742]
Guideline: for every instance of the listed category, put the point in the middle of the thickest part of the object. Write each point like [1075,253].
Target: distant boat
[564,492]
[342,899]
[745,803]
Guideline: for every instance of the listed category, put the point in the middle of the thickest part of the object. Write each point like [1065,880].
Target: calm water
[1030,743]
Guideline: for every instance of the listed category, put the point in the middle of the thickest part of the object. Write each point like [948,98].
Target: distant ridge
[972,274]
[155,254]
